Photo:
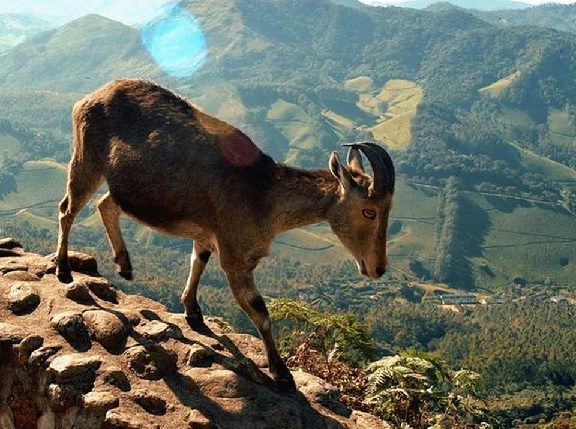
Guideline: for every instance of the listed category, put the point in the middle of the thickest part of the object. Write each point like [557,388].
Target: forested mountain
[455,98]
[76,57]
[468,4]
[14,28]
[558,16]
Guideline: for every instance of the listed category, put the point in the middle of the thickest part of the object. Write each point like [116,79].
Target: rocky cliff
[85,355]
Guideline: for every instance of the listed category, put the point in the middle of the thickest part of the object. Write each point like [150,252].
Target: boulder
[70,324]
[23,298]
[107,328]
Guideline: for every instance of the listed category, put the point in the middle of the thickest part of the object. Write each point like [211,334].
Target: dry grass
[495,89]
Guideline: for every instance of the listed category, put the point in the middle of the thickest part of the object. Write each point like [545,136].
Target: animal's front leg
[198,261]
[244,290]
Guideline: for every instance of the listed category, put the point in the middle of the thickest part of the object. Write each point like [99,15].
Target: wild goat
[182,172]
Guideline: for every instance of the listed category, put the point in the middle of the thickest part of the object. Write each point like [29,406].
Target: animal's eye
[369,214]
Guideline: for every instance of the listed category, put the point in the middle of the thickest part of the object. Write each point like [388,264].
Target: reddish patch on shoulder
[238,149]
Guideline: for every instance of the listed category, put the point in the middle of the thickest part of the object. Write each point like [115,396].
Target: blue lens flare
[175,40]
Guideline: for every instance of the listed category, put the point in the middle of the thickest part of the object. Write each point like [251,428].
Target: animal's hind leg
[83,181]
[110,215]
[198,261]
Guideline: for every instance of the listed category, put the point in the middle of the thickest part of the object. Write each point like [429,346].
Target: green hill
[551,15]
[40,185]
[15,28]
[76,57]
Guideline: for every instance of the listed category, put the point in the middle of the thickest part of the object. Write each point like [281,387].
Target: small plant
[332,346]
[336,336]
[402,388]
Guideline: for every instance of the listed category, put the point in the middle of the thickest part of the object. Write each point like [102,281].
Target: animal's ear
[354,159]
[340,172]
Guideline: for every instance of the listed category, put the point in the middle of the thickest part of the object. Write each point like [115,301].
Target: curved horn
[382,166]
[354,159]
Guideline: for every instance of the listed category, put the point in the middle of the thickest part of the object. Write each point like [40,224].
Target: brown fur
[174,168]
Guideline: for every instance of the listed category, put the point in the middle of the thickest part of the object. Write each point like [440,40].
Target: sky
[127,11]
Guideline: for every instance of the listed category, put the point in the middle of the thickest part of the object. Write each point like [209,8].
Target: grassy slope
[294,124]
[414,213]
[528,240]
[495,89]
[394,106]
[40,186]
[562,127]
[9,145]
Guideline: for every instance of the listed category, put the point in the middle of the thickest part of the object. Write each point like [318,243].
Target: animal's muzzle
[378,271]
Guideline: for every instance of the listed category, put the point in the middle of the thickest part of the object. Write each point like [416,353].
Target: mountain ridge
[467,4]
[55,53]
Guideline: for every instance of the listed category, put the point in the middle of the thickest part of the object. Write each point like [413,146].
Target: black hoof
[285,382]
[197,324]
[126,274]
[64,276]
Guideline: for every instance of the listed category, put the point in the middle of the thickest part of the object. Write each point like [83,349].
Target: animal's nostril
[380,271]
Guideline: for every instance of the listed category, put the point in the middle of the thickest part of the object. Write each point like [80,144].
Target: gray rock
[8,252]
[200,356]
[41,356]
[114,376]
[102,288]
[10,243]
[12,265]
[158,331]
[62,397]
[152,362]
[10,333]
[23,298]
[221,383]
[70,325]
[82,262]
[150,402]
[169,377]
[133,317]
[23,276]
[320,391]
[197,420]
[99,403]
[107,328]
[120,418]
[76,366]
[78,292]
[27,346]
[41,266]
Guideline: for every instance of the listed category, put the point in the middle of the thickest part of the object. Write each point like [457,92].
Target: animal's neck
[303,197]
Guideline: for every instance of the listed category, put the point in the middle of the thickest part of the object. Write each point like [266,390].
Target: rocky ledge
[85,355]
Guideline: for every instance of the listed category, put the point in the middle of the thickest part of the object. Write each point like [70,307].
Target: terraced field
[394,107]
